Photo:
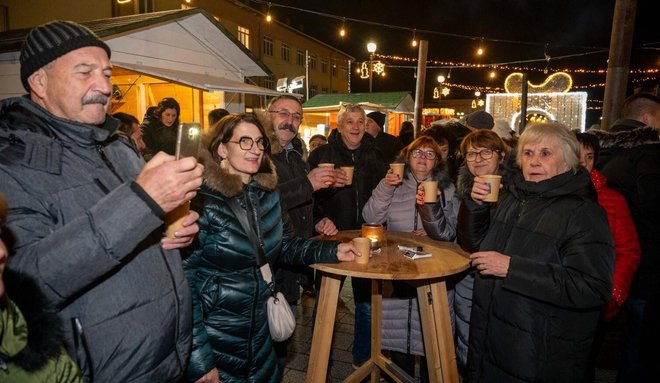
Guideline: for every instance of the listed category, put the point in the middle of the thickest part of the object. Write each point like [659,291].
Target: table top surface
[390,264]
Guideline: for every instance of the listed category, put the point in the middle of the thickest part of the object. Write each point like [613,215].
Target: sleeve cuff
[148,200]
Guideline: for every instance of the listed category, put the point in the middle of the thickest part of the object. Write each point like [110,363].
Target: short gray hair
[352,108]
[555,131]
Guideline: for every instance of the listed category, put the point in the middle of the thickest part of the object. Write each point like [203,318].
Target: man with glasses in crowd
[296,184]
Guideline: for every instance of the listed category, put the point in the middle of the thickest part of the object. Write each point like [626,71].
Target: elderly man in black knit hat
[87,213]
[389,145]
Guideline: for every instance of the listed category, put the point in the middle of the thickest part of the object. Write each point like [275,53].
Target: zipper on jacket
[99,149]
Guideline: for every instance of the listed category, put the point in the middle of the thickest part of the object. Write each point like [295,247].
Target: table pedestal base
[436,331]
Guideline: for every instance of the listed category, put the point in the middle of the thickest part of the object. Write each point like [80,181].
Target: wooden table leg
[376,325]
[436,330]
[326,310]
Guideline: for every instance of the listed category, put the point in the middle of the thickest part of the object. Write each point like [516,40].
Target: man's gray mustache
[95,99]
[288,127]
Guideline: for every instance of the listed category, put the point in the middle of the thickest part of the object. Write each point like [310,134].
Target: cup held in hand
[174,219]
[493,182]
[364,247]
[330,166]
[349,173]
[398,168]
[430,191]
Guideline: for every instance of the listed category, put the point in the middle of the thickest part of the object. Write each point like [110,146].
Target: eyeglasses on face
[428,154]
[285,114]
[246,143]
[485,154]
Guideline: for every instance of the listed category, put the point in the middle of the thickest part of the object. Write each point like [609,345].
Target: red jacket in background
[625,242]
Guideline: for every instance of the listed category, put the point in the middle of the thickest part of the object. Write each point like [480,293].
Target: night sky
[523,28]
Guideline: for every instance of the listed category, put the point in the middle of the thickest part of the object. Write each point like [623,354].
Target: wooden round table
[427,275]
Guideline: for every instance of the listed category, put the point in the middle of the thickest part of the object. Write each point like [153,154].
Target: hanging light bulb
[414,39]
[269,18]
[449,73]
[342,31]
[492,74]
[477,93]
[480,48]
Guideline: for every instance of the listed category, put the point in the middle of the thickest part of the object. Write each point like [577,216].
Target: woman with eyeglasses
[231,338]
[394,203]
[543,267]
[483,152]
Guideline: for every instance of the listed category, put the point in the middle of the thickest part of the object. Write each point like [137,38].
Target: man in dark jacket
[341,205]
[630,158]
[389,145]
[296,186]
[87,213]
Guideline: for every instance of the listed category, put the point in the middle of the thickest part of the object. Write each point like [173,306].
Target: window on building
[300,57]
[313,90]
[334,70]
[268,46]
[312,62]
[285,51]
[324,66]
[244,36]
[269,82]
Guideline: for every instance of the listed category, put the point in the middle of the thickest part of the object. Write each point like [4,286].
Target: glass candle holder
[375,232]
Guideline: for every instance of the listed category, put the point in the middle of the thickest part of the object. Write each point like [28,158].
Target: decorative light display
[379,68]
[550,101]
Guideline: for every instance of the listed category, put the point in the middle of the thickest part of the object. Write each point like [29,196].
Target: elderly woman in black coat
[544,266]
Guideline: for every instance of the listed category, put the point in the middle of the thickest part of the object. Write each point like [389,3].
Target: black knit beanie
[49,41]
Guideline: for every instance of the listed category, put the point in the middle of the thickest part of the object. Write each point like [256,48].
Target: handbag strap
[264,266]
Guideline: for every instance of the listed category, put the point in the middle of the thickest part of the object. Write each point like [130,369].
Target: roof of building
[394,101]
[12,40]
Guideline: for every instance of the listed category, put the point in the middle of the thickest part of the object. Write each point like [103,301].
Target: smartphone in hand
[188,138]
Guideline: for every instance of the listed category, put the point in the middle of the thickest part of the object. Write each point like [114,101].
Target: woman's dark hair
[169,103]
[127,121]
[407,133]
[216,115]
[222,132]
[589,141]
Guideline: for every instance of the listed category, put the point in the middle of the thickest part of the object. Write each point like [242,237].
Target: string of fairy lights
[480,50]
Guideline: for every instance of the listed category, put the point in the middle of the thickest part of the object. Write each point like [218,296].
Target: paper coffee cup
[493,182]
[364,247]
[330,166]
[174,219]
[349,173]
[397,168]
[430,191]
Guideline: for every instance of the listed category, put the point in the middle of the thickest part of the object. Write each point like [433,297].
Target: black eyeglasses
[485,154]
[283,113]
[429,154]
[246,143]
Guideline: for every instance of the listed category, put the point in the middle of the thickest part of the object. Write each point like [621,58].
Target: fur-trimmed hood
[217,177]
[626,139]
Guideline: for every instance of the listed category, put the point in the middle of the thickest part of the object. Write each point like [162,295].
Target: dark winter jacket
[630,159]
[344,205]
[31,337]
[158,137]
[537,323]
[389,146]
[296,193]
[90,238]
[229,293]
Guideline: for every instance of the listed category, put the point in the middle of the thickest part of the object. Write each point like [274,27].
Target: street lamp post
[441,80]
[371,47]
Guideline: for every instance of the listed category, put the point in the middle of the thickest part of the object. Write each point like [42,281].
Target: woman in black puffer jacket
[544,268]
[231,339]
[159,129]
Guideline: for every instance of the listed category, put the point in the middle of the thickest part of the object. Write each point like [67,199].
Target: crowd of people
[92,290]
